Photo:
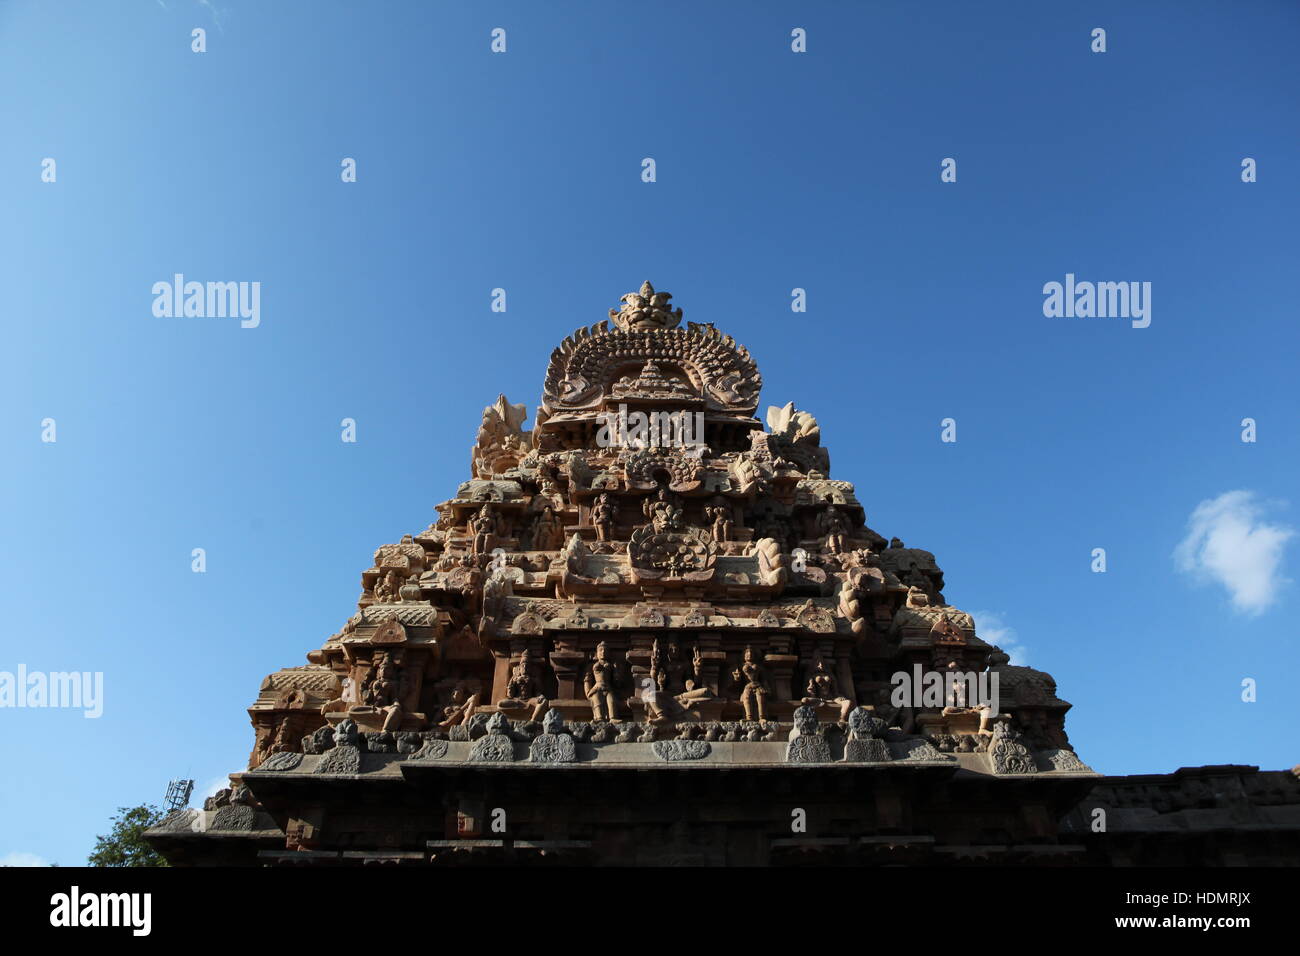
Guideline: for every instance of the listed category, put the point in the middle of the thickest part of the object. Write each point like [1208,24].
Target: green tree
[125,845]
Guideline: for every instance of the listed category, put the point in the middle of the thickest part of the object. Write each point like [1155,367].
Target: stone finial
[785,421]
[646,309]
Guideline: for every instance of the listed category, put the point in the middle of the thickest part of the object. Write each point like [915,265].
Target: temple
[654,629]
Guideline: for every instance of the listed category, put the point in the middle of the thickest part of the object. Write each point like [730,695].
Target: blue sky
[522,171]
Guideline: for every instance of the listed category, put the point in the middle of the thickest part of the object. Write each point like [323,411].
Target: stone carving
[823,689]
[603,513]
[863,744]
[735,582]
[280,762]
[485,526]
[722,518]
[646,309]
[523,691]
[600,685]
[1066,761]
[835,526]
[381,688]
[433,748]
[587,363]
[673,750]
[501,443]
[773,565]
[921,749]
[547,530]
[688,554]
[1008,754]
[807,744]
[554,744]
[753,683]
[461,707]
[497,745]
[795,436]
[674,685]
[345,755]
[319,741]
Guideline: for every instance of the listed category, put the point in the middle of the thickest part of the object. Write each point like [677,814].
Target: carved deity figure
[663,512]
[751,677]
[394,714]
[835,526]
[603,513]
[778,528]
[673,685]
[281,741]
[720,515]
[461,707]
[945,631]
[485,527]
[599,685]
[276,741]
[387,587]
[345,734]
[384,682]
[824,689]
[522,689]
[548,530]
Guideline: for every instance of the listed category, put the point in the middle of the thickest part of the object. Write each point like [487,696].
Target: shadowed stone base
[808,748]
[552,748]
[866,751]
[681,749]
[344,758]
[280,761]
[432,750]
[493,747]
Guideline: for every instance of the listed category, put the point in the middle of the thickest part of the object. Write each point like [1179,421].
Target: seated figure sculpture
[460,709]
[522,690]
[674,685]
[823,688]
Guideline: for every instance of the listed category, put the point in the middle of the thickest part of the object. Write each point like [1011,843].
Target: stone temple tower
[644,631]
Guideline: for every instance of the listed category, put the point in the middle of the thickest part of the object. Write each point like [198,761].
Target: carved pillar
[638,658]
[567,661]
[780,669]
[503,656]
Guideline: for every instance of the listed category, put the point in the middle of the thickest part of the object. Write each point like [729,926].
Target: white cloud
[990,627]
[218,14]
[1227,542]
[22,859]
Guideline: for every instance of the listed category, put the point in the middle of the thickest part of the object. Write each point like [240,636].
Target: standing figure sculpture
[752,679]
[721,516]
[603,513]
[485,527]
[835,526]
[599,685]
[548,531]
